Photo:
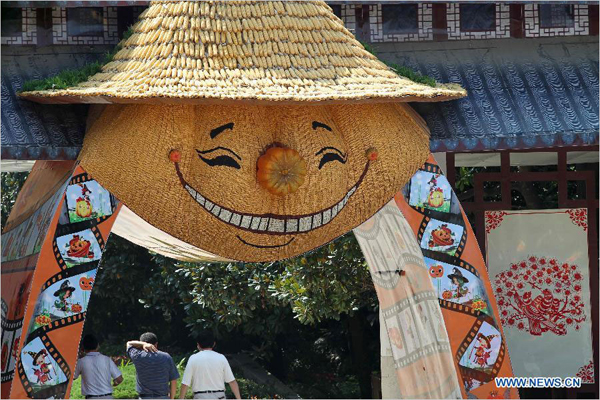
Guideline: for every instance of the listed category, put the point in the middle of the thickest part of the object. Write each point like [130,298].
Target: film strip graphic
[461,308]
[73,319]
[480,317]
[80,178]
[10,331]
[59,323]
[56,391]
[84,177]
[70,229]
[471,373]
[76,270]
[433,168]
[11,325]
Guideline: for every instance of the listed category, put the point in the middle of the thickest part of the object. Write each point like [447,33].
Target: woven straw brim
[220,206]
[266,51]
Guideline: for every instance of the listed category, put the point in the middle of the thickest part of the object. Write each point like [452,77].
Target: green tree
[12,182]
[263,299]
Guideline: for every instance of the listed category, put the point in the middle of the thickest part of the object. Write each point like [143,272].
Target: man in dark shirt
[155,369]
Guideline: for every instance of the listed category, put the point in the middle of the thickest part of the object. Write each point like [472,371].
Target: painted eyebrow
[215,132]
[317,124]
[219,148]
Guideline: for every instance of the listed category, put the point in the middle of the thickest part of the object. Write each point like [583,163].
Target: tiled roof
[523,93]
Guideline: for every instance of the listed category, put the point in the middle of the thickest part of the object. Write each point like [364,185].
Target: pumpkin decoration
[254,141]
[79,247]
[435,199]
[436,271]
[86,283]
[83,207]
[441,236]
[447,295]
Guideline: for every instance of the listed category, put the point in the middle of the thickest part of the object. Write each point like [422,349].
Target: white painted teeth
[291,225]
[316,221]
[326,216]
[267,224]
[191,191]
[276,225]
[305,224]
[246,221]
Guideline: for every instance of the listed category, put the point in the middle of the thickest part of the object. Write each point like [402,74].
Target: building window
[556,16]
[12,21]
[337,10]
[399,18]
[477,17]
[85,21]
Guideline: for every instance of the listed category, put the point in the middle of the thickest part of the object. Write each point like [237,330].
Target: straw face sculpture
[194,171]
[256,130]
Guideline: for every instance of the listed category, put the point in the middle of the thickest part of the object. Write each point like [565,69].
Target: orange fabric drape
[61,273]
[458,271]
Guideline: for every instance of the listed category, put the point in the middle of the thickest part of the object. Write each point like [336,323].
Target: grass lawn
[126,390]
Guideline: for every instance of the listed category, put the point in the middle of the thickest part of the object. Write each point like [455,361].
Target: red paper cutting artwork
[586,373]
[493,219]
[579,217]
[539,295]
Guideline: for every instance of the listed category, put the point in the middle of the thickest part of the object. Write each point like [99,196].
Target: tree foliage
[12,182]
[323,284]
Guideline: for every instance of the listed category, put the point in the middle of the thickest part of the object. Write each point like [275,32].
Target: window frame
[70,19]
[551,26]
[409,31]
[18,33]
[460,13]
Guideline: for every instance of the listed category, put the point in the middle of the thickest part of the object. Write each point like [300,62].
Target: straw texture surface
[286,51]
[191,170]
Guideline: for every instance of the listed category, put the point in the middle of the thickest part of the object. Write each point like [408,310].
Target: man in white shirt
[207,372]
[96,371]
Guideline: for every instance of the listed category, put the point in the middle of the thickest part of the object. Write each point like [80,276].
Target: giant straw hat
[253,130]
[295,51]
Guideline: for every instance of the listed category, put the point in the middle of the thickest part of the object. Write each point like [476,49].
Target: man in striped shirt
[155,370]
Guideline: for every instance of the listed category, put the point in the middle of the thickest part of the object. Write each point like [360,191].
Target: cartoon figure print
[79,248]
[441,236]
[435,198]
[42,372]
[83,205]
[63,294]
[481,352]
[457,279]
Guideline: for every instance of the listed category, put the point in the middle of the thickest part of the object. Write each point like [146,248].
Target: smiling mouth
[271,224]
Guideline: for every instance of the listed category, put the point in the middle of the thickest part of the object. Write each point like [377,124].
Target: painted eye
[331,154]
[224,160]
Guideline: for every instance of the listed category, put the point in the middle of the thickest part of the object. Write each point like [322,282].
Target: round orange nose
[281,170]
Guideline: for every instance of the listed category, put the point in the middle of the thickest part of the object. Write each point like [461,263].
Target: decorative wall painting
[539,264]
[40,367]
